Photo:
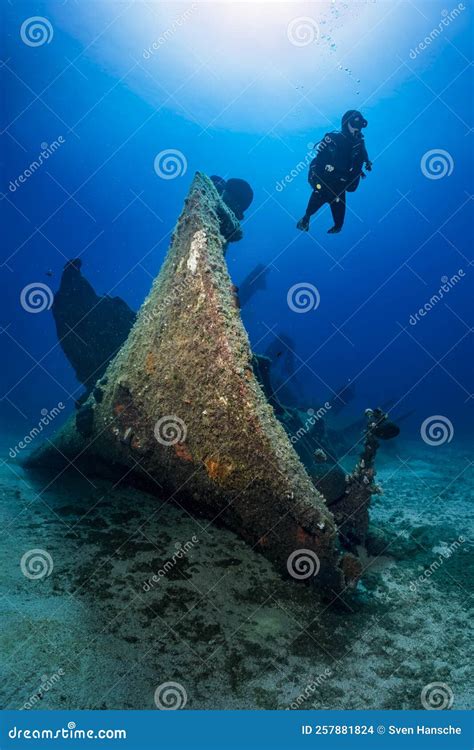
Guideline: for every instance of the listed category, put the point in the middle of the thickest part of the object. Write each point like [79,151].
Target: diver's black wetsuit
[337,204]
[337,168]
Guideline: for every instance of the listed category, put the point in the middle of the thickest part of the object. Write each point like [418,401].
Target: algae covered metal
[181,410]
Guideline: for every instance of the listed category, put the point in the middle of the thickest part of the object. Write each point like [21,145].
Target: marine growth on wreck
[185,407]
[236,396]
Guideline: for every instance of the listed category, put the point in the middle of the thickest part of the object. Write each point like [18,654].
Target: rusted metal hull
[181,408]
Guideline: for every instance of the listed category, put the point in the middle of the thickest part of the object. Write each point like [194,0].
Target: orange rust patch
[218,470]
[249,374]
[302,536]
[150,363]
[119,409]
[263,541]
[182,452]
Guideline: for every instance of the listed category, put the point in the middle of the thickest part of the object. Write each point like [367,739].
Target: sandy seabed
[219,620]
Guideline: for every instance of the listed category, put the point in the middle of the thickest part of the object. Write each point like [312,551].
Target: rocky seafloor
[219,620]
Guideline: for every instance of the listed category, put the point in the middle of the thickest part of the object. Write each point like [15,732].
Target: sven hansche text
[422,729]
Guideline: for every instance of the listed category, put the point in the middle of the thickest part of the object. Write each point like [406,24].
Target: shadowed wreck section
[180,409]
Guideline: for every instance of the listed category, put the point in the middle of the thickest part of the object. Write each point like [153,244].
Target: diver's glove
[368,166]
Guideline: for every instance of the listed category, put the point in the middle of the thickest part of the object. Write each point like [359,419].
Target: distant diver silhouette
[336,169]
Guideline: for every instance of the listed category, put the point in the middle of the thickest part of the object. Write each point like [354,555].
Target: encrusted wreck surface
[180,407]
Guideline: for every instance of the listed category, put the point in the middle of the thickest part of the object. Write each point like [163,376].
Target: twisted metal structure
[181,411]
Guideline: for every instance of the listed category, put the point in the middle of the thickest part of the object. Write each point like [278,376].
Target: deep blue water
[231,91]
[99,197]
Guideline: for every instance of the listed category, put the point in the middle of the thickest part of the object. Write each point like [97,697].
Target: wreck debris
[320,456]
[261,366]
[343,396]
[182,393]
[236,194]
[281,351]
[84,420]
[351,511]
[329,479]
[91,329]
[253,282]
[359,424]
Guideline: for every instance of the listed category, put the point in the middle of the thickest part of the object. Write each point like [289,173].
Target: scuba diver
[336,169]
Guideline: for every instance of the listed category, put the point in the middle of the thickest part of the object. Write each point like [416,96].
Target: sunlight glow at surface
[255,67]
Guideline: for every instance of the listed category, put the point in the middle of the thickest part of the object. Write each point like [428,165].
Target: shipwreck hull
[180,407]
